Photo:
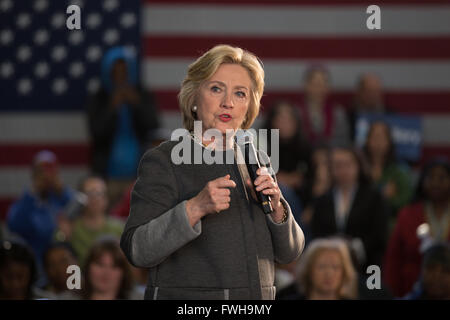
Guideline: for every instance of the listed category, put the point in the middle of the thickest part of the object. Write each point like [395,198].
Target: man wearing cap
[34,215]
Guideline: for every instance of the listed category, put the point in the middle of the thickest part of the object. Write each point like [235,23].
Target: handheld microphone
[253,164]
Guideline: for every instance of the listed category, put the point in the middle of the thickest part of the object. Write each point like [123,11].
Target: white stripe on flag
[292,20]
[46,127]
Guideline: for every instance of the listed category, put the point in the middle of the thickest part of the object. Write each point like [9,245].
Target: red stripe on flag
[353,48]
[430,152]
[403,102]
[22,154]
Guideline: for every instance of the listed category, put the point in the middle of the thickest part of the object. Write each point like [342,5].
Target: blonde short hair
[204,68]
[348,288]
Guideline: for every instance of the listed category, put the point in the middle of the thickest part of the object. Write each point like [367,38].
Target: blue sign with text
[406,133]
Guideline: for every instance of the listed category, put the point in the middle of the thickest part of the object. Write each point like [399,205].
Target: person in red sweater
[425,221]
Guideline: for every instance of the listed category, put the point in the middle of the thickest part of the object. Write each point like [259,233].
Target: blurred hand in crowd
[390,190]
[123,92]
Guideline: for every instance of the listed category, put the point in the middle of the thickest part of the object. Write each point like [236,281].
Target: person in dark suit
[352,208]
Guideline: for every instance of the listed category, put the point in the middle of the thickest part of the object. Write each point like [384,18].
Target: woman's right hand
[213,198]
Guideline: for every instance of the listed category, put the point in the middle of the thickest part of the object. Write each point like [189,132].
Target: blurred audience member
[352,208]
[92,222]
[325,272]
[34,216]
[391,178]
[425,221]
[120,115]
[107,273]
[368,99]
[57,259]
[318,178]
[294,151]
[434,283]
[122,209]
[322,122]
[18,272]
[317,183]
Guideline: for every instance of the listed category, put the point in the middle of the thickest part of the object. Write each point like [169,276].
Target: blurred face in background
[15,277]
[437,184]
[58,259]
[320,158]
[327,273]
[224,99]
[44,176]
[316,87]
[285,120]
[344,168]
[436,281]
[370,92]
[105,276]
[378,140]
[95,189]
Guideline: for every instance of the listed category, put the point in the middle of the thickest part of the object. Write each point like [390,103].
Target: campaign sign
[406,132]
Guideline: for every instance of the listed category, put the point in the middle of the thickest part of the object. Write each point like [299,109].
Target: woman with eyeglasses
[92,221]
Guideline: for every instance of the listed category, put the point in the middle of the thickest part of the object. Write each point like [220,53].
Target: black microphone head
[248,138]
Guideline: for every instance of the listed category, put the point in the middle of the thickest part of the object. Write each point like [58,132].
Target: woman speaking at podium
[197,226]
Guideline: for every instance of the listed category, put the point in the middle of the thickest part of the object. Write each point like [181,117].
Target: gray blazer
[229,255]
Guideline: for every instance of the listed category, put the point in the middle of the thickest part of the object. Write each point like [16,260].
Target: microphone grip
[262,198]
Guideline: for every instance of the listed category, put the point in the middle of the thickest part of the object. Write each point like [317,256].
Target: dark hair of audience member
[15,253]
[57,245]
[421,193]
[275,109]
[390,155]
[111,247]
[312,69]
[363,171]
[294,138]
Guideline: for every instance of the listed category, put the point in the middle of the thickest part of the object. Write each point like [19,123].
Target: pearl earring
[194,109]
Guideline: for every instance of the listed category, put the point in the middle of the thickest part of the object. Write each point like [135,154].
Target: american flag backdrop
[47,71]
